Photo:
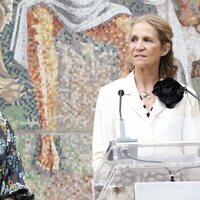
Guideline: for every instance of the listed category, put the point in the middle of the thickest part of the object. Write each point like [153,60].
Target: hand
[9,198]
[48,158]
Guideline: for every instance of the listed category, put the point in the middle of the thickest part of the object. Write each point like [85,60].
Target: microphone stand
[121,120]
[186,90]
[123,137]
[113,154]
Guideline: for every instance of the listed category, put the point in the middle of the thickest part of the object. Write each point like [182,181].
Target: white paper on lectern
[167,190]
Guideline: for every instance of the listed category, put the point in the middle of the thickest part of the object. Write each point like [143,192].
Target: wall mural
[54,57]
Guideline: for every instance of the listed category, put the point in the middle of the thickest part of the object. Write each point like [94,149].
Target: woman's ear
[165,49]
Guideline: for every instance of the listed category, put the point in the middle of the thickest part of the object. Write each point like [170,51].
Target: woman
[146,117]
[12,185]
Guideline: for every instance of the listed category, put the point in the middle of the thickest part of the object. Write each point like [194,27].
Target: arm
[103,130]
[191,126]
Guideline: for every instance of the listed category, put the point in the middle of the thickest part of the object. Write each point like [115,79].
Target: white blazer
[164,124]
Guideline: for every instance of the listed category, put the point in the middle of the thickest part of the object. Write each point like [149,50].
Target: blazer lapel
[133,98]
[158,107]
[135,102]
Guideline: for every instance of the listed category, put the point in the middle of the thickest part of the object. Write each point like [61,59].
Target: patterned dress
[11,170]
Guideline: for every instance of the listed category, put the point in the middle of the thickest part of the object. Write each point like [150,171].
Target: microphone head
[181,91]
[121,93]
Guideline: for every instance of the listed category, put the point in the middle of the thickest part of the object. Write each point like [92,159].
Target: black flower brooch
[169,91]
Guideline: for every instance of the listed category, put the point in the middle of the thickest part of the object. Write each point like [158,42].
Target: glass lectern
[130,162]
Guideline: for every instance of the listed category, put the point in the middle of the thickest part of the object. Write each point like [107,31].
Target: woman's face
[145,46]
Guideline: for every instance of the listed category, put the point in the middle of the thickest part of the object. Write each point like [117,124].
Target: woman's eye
[147,40]
[133,39]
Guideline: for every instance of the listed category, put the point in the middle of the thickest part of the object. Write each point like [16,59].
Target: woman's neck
[145,80]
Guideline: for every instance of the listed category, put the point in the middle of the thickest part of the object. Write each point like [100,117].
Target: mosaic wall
[54,57]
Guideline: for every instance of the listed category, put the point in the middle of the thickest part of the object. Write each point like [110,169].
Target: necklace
[145,95]
[146,110]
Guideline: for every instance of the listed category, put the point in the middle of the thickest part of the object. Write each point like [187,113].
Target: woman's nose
[139,45]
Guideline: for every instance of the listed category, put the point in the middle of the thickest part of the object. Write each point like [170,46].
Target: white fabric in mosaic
[186,40]
[8,5]
[76,15]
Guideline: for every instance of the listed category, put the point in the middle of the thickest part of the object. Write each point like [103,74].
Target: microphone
[120,93]
[186,90]
[123,137]
[179,91]
[114,152]
[122,129]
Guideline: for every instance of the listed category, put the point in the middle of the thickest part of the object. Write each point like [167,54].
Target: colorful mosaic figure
[42,60]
